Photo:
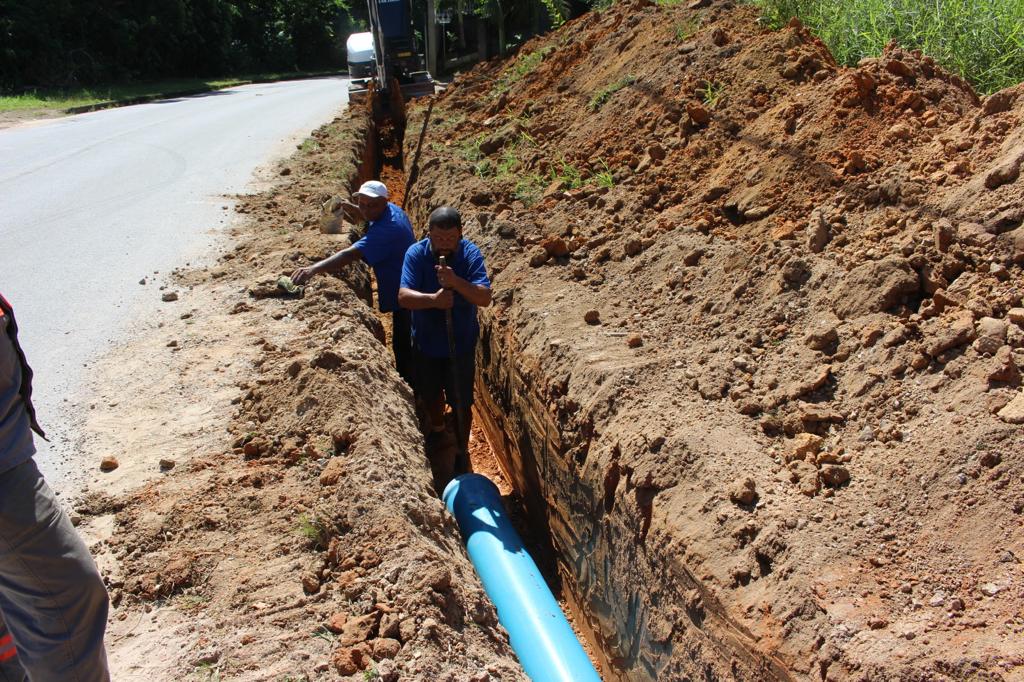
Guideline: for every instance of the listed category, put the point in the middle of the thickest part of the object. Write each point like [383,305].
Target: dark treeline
[76,43]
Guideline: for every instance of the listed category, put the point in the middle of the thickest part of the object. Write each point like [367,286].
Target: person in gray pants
[53,605]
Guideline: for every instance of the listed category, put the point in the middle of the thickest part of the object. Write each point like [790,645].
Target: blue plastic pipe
[540,635]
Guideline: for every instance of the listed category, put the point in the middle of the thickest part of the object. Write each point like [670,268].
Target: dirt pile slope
[310,544]
[756,340]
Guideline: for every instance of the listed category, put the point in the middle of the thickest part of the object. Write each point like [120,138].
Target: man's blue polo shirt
[383,247]
[428,326]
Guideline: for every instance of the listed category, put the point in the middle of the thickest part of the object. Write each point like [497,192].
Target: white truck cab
[361,63]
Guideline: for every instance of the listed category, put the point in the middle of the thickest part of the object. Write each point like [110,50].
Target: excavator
[397,72]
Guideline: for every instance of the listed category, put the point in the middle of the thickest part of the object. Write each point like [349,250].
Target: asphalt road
[91,204]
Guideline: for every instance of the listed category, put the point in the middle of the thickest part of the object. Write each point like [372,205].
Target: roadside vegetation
[982,40]
[62,99]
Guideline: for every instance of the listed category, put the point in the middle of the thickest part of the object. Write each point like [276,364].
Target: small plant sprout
[313,529]
[605,94]
[686,29]
[523,66]
[604,177]
[568,174]
[712,93]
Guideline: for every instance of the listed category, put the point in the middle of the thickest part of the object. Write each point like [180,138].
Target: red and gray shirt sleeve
[17,419]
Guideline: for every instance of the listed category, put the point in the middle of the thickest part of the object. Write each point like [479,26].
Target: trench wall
[647,616]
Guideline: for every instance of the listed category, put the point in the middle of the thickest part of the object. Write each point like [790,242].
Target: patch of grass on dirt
[529,188]
[686,29]
[483,168]
[309,145]
[469,149]
[207,672]
[522,66]
[605,94]
[604,177]
[712,93]
[982,40]
[601,5]
[314,530]
[567,173]
[323,633]
[191,602]
[453,121]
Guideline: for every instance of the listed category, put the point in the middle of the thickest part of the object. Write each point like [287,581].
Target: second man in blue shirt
[388,235]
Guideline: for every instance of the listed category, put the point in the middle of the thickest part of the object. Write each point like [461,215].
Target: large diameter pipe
[546,645]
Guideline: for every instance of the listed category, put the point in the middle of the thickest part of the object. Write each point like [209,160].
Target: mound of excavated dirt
[755,344]
[310,544]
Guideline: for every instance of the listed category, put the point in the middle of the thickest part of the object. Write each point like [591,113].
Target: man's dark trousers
[51,595]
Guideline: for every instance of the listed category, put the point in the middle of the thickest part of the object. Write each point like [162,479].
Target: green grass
[982,40]
[686,29]
[520,68]
[568,174]
[65,99]
[314,530]
[605,94]
[712,93]
[528,188]
[207,672]
[191,603]
[469,149]
[604,177]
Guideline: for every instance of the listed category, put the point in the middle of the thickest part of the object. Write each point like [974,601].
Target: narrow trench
[389,131]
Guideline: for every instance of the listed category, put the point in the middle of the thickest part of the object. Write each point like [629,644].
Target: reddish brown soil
[760,392]
[789,446]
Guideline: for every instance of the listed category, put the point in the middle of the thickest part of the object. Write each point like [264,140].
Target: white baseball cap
[373,188]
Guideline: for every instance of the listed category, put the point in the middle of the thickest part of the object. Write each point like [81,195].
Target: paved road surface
[92,203]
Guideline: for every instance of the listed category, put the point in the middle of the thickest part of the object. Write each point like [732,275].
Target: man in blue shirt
[53,605]
[428,289]
[388,235]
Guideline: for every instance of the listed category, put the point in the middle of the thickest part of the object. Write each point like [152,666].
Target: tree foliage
[65,43]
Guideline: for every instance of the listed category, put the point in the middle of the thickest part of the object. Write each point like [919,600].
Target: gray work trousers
[52,598]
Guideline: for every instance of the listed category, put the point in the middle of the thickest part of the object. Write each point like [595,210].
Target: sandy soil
[21,117]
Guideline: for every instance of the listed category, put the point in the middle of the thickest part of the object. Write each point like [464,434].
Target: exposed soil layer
[753,358]
[309,543]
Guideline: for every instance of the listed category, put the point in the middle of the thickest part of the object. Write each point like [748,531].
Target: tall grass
[982,40]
